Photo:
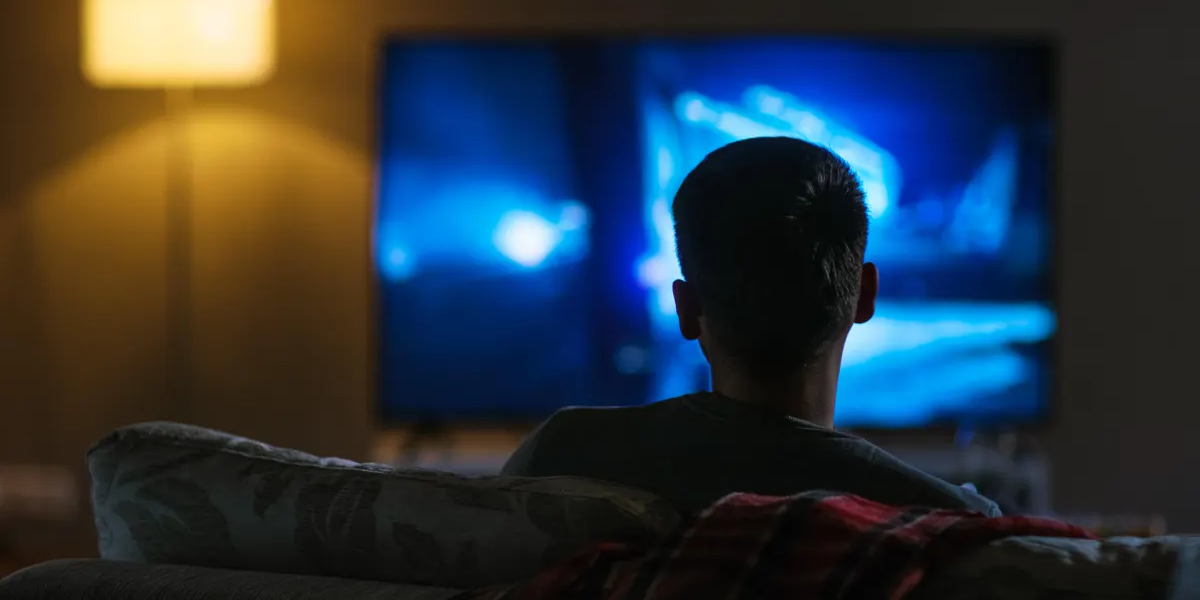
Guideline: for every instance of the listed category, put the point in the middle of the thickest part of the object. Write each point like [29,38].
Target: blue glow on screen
[525,242]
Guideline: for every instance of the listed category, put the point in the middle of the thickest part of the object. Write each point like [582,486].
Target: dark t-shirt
[696,449]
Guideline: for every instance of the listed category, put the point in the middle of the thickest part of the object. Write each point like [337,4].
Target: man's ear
[868,291]
[687,308]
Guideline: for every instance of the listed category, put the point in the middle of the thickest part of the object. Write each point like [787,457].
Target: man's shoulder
[571,434]
[589,418]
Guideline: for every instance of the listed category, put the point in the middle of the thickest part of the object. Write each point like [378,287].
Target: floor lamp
[177,46]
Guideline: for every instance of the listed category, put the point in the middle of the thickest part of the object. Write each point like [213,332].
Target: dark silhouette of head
[771,234]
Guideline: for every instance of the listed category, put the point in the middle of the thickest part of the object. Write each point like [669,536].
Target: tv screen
[524,239]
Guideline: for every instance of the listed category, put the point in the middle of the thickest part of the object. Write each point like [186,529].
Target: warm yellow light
[168,43]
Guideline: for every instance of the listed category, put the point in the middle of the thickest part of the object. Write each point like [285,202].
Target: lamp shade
[169,43]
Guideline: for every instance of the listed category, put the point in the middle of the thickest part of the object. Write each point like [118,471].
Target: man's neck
[809,394]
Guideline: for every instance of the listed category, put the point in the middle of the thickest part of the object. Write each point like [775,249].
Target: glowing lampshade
[167,43]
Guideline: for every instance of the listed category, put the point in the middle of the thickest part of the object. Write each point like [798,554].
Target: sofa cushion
[176,494]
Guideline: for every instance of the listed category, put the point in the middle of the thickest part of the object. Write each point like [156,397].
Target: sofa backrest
[176,494]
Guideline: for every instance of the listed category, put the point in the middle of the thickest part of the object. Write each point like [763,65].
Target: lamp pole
[173,46]
[178,252]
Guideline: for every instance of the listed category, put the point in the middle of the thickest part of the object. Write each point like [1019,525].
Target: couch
[186,512]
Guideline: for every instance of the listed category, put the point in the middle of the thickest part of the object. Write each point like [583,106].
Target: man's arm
[899,483]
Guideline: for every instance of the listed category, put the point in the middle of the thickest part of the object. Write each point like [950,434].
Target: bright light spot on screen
[666,167]
[697,109]
[665,300]
[857,153]
[574,216]
[742,127]
[694,109]
[811,126]
[950,381]
[876,197]
[659,271]
[655,271]
[767,104]
[525,238]
[396,265]
[916,332]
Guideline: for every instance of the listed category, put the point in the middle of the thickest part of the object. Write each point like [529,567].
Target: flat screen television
[524,242]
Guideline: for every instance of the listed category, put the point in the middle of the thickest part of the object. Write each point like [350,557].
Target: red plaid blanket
[813,545]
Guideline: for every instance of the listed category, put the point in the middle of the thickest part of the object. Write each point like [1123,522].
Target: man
[771,234]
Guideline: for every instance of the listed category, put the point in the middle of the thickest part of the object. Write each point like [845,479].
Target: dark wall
[283,296]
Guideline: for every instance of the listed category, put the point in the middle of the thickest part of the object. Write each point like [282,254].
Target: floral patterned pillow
[177,494]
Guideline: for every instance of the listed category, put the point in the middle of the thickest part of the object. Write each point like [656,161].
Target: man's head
[771,234]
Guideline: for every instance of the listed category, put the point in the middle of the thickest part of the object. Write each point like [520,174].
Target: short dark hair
[771,234]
